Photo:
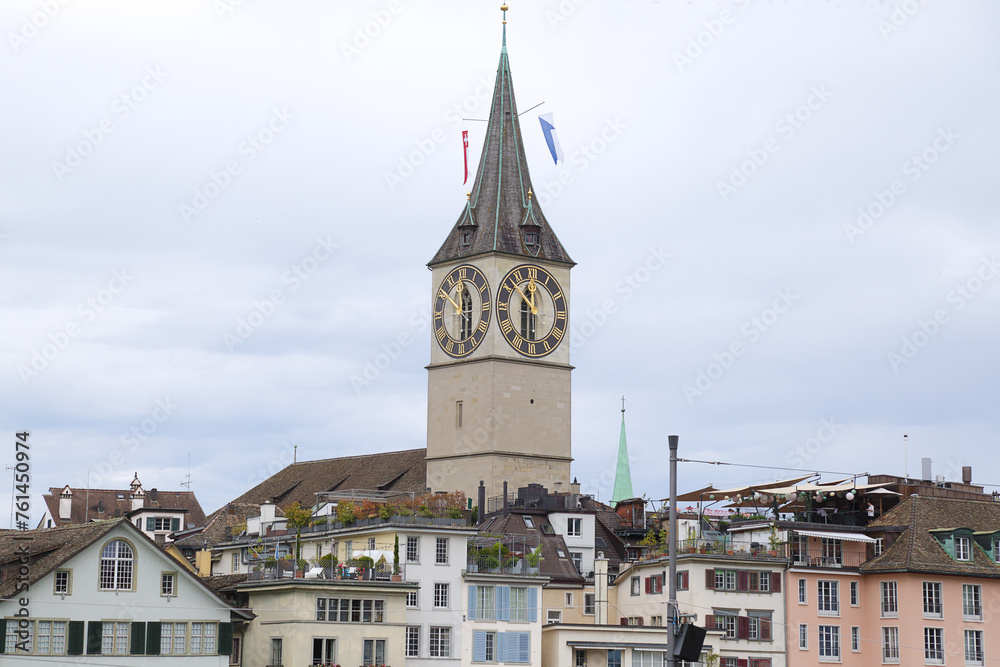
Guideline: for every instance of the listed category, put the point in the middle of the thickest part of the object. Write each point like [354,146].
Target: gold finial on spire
[503,8]
[468,195]
[529,193]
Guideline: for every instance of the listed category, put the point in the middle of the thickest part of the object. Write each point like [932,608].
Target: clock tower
[498,398]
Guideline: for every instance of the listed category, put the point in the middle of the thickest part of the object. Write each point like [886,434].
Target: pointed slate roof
[623,473]
[502,205]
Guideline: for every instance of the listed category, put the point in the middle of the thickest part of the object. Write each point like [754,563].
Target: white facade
[115,612]
[578,531]
[502,626]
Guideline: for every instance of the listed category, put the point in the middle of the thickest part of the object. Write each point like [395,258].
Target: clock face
[462,311]
[531,310]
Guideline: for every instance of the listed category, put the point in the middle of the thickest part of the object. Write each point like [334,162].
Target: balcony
[723,545]
[492,565]
[503,554]
[351,571]
[826,559]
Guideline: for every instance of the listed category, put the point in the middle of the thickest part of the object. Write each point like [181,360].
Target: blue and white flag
[551,138]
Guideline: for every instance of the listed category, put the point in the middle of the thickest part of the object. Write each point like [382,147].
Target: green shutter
[94,637]
[74,638]
[150,525]
[138,646]
[3,634]
[225,638]
[153,638]
[175,524]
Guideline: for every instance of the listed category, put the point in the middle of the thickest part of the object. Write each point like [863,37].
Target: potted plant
[396,575]
[775,543]
[384,512]
[346,513]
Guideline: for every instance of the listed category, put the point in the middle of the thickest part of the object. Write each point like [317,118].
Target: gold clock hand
[534,311]
[445,295]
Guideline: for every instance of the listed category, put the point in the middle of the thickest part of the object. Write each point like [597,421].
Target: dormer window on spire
[531,238]
[466,237]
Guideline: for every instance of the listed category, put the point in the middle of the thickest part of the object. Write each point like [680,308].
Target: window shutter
[640,620]
[684,580]
[524,647]
[741,662]
[150,523]
[153,638]
[138,643]
[765,629]
[225,638]
[74,638]
[94,637]
[742,627]
[532,604]
[501,647]
[776,582]
[478,645]
[710,621]
[742,580]
[472,607]
[175,524]
[624,621]
[503,603]
[710,579]
[648,587]
[3,633]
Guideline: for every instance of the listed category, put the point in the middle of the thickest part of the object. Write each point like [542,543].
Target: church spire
[623,474]
[501,214]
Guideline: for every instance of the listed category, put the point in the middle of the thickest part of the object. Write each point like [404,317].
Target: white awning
[847,537]
[604,646]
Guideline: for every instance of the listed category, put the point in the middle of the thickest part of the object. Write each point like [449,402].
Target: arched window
[466,329]
[527,321]
[116,566]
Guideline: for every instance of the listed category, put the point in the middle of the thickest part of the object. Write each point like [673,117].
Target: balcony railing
[343,572]
[722,545]
[490,564]
[827,559]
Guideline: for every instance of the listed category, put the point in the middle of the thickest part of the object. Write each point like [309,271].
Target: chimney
[137,499]
[482,501]
[66,504]
[267,512]
[558,487]
[600,590]
[574,487]
[925,468]
[967,474]
[153,495]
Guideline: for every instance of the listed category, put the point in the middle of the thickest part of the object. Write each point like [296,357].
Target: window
[324,651]
[347,610]
[528,522]
[763,582]
[803,637]
[412,641]
[614,658]
[934,646]
[441,551]
[527,321]
[573,527]
[374,651]
[890,645]
[877,547]
[725,619]
[411,599]
[656,621]
[458,404]
[800,550]
[588,604]
[855,638]
[488,641]
[412,552]
[553,616]
[963,548]
[484,603]
[518,603]
[236,562]
[275,651]
[802,591]
[832,554]
[203,638]
[234,658]
[168,584]
[466,238]
[116,566]
[577,559]
[829,643]
[635,586]
[13,643]
[569,600]
[51,638]
[828,598]
[682,580]
[441,596]
[759,625]
[648,658]
[560,553]
[725,580]
[154,523]
[466,321]
[890,607]
[114,638]
[855,595]
[581,658]
[932,599]
[440,645]
[348,549]
[972,602]
[973,647]
[531,238]
[61,585]
[173,638]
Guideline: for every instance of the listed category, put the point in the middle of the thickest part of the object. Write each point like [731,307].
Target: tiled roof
[401,471]
[216,530]
[502,204]
[100,504]
[552,565]
[224,583]
[50,548]
[916,549]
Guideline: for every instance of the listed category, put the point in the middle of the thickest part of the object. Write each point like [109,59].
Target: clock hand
[530,302]
[531,291]
[445,295]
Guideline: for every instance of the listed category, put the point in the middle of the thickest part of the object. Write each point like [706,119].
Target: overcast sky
[215,216]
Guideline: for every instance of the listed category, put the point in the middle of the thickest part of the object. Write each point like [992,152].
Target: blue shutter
[501,652]
[478,645]
[149,523]
[472,609]
[503,603]
[532,604]
[524,647]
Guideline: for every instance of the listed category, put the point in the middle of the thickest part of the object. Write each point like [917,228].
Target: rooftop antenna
[187,483]
[13,477]
[295,452]
[906,463]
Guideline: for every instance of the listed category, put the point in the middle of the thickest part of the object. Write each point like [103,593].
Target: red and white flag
[465,144]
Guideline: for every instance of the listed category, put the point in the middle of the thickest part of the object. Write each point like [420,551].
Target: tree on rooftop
[297,517]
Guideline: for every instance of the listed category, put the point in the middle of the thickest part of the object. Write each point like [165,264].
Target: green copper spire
[623,474]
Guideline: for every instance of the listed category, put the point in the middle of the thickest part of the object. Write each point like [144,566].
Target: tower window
[466,238]
[466,324]
[458,414]
[531,238]
[527,321]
